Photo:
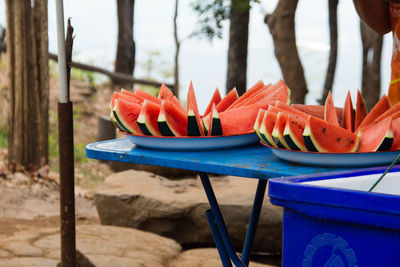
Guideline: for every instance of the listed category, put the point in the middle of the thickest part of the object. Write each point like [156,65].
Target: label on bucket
[329,250]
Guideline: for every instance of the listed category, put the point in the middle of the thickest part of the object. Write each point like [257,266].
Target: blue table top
[254,161]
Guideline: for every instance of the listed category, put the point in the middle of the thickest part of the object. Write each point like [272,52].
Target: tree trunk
[333,34]
[237,52]
[27,51]
[371,67]
[282,28]
[125,60]
[175,90]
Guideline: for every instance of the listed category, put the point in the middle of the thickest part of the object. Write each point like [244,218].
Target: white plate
[193,143]
[336,159]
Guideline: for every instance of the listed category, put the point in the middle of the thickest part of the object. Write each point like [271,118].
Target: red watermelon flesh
[129,98]
[267,126]
[258,86]
[241,120]
[391,111]
[171,120]
[317,111]
[361,111]
[323,136]
[279,128]
[380,107]
[148,117]
[148,96]
[289,109]
[396,134]
[164,92]
[126,114]
[230,98]
[267,89]
[293,132]
[330,111]
[348,114]
[215,99]
[378,137]
[125,93]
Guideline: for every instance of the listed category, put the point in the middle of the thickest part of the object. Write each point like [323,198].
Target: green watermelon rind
[163,126]
[120,122]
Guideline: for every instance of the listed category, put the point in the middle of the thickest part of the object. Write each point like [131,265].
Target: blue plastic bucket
[332,220]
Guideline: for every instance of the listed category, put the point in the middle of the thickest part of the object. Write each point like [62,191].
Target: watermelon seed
[339,138]
[323,129]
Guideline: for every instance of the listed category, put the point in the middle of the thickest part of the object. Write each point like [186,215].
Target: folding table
[255,161]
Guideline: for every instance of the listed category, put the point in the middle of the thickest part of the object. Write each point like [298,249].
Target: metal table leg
[255,215]
[226,261]
[216,212]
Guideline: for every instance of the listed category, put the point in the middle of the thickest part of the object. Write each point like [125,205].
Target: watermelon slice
[171,120]
[164,93]
[215,126]
[230,98]
[293,132]
[380,107]
[147,96]
[391,111]
[267,89]
[348,113]
[285,107]
[396,134]
[215,99]
[194,126]
[317,111]
[330,111]
[361,111]
[267,126]
[258,122]
[378,137]
[279,128]
[126,114]
[241,120]
[148,118]
[258,86]
[323,136]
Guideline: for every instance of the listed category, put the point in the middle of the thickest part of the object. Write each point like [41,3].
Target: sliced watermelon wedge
[267,126]
[378,137]
[230,98]
[382,106]
[215,126]
[279,128]
[148,118]
[330,111]
[194,126]
[361,110]
[259,120]
[293,132]
[171,120]
[164,93]
[323,136]
[147,96]
[215,99]
[348,113]
[258,86]
[126,114]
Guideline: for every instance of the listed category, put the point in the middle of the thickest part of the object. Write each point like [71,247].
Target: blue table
[253,161]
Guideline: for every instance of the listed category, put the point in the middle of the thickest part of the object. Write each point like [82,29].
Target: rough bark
[371,67]
[333,35]
[177,49]
[282,28]
[237,51]
[125,59]
[27,56]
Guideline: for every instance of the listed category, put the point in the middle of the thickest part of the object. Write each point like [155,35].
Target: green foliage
[212,14]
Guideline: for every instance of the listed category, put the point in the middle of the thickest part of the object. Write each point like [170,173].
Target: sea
[204,62]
